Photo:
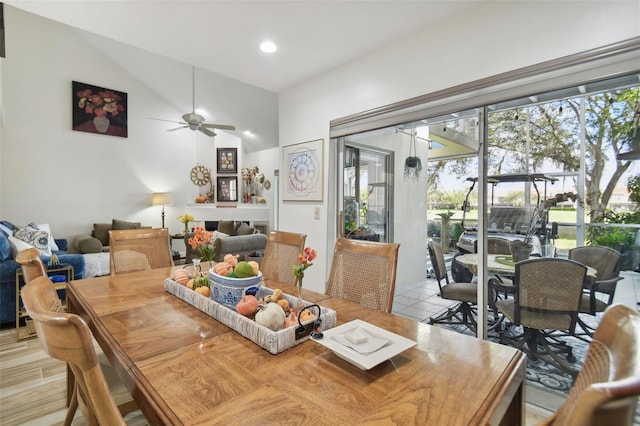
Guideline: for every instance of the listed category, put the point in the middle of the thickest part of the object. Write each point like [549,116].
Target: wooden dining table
[184,367]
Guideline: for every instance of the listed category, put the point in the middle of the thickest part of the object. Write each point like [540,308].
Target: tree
[554,141]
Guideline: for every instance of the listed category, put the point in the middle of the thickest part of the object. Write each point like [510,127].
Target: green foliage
[633,185]
[618,238]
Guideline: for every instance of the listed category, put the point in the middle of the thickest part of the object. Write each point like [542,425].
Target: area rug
[540,374]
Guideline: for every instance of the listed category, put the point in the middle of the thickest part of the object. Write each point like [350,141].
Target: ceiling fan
[195,121]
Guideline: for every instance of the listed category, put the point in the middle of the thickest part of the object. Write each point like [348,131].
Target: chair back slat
[138,250]
[364,272]
[281,254]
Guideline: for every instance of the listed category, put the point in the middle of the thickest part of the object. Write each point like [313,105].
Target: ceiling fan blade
[206,131]
[168,121]
[218,126]
[178,128]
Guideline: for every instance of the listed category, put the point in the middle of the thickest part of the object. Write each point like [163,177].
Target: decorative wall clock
[200,176]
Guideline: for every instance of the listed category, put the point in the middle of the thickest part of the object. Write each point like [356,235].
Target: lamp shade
[161,199]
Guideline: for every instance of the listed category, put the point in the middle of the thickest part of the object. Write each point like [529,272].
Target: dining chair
[138,250]
[546,299]
[607,388]
[364,272]
[31,264]
[281,254]
[599,291]
[464,292]
[103,399]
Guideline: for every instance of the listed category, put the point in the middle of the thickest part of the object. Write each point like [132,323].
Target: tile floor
[420,301]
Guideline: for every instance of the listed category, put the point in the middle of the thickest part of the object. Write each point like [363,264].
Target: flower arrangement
[201,241]
[254,181]
[186,218]
[102,103]
[305,260]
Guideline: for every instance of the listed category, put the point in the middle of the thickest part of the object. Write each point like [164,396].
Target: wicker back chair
[31,264]
[67,337]
[607,388]
[281,254]
[546,299]
[464,292]
[138,250]
[364,272]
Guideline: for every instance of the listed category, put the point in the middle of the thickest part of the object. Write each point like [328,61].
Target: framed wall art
[227,188]
[227,160]
[302,179]
[99,110]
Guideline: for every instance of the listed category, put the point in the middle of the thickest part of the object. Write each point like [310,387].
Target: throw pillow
[122,224]
[244,229]
[90,245]
[17,245]
[227,227]
[36,238]
[101,232]
[52,241]
[5,247]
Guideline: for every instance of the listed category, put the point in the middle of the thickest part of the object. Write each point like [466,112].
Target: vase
[101,123]
[300,302]
[520,252]
[186,228]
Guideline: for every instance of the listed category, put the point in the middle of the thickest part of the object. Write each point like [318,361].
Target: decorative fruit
[205,291]
[247,306]
[200,281]
[291,320]
[231,259]
[181,276]
[306,315]
[201,199]
[190,284]
[285,305]
[222,268]
[270,315]
[255,266]
[277,295]
[244,270]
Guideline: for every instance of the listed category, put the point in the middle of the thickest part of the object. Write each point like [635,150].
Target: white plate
[365,362]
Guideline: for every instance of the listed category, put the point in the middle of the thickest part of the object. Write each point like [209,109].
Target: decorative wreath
[200,176]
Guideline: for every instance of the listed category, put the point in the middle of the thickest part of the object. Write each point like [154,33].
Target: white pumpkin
[271,315]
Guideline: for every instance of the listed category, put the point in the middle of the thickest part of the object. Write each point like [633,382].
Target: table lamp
[161,199]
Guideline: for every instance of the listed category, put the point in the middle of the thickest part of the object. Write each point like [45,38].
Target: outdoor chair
[364,272]
[64,336]
[546,299]
[280,256]
[607,388]
[139,250]
[607,262]
[464,292]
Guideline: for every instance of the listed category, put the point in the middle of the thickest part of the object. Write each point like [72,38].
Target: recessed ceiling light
[268,47]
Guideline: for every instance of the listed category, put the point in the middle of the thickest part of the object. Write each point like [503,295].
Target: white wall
[50,173]
[500,37]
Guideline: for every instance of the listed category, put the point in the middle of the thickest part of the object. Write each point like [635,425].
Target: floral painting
[99,110]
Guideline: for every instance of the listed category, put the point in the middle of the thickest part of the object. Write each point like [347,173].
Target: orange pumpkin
[181,276]
[201,199]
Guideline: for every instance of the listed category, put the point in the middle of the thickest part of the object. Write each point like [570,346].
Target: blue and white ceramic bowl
[229,291]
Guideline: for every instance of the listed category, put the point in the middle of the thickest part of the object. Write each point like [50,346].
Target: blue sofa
[8,269]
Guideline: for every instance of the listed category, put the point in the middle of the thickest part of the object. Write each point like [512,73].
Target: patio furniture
[546,299]
[465,293]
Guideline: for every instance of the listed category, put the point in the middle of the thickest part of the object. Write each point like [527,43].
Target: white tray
[397,344]
[273,341]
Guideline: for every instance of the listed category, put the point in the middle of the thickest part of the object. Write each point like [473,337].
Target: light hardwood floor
[33,387]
